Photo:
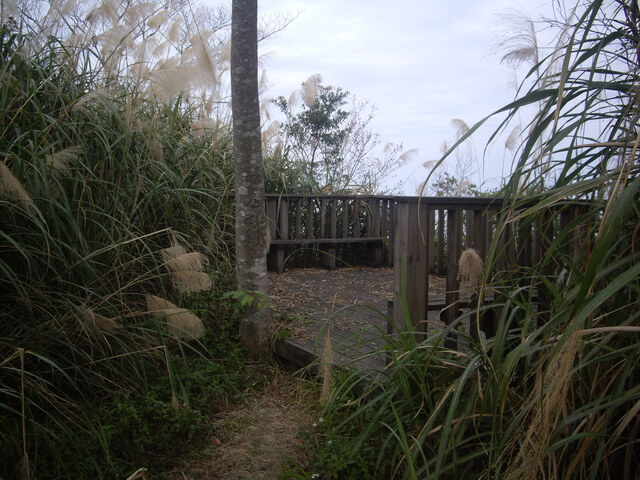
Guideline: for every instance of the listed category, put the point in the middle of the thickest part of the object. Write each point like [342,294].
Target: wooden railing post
[410,272]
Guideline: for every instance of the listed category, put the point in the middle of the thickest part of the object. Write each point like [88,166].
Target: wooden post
[454,249]
[431,251]
[283,232]
[374,204]
[410,272]
[272,215]
[330,256]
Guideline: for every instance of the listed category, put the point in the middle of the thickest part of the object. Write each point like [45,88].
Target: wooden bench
[276,257]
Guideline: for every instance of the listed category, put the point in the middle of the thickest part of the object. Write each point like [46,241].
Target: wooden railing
[430,234]
[418,236]
[352,229]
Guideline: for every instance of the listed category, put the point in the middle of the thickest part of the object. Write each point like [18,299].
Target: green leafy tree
[325,143]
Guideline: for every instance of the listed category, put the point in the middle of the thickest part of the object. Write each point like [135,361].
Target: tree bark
[251,246]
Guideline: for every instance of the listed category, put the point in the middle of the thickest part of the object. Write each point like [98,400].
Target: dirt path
[259,438]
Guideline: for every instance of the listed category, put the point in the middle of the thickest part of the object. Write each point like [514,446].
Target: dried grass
[553,389]
[257,438]
[181,323]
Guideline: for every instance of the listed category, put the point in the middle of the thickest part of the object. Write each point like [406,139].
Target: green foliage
[98,179]
[316,135]
[326,145]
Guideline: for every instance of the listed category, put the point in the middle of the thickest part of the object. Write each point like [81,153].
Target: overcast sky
[422,63]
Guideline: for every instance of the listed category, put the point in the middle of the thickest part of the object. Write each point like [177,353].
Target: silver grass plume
[180,322]
[470,267]
[59,162]
[100,321]
[461,127]
[310,88]
[11,186]
[186,269]
[106,11]
[173,35]
[204,69]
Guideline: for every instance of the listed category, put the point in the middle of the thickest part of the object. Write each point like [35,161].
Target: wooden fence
[430,234]
[309,229]
[418,236]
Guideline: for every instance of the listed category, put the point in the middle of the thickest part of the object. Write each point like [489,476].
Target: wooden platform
[351,304]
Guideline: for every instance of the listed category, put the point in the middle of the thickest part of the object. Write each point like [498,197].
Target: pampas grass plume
[12,187]
[191,282]
[158,19]
[310,88]
[181,323]
[102,322]
[59,161]
[470,267]
[192,261]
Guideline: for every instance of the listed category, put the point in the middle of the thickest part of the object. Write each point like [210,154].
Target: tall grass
[555,393]
[97,181]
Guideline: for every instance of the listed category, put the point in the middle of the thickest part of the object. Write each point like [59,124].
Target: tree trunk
[251,246]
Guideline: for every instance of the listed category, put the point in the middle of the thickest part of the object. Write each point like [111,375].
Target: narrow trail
[258,438]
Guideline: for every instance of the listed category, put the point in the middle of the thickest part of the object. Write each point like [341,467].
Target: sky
[421,63]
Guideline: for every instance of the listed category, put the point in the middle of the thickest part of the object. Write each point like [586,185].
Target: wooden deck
[351,304]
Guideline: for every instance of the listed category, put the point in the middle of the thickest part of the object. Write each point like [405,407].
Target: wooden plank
[524,243]
[327,241]
[330,257]
[454,249]
[375,231]
[283,232]
[272,214]
[345,218]
[431,250]
[310,215]
[298,208]
[479,236]
[323,217]
[441,242]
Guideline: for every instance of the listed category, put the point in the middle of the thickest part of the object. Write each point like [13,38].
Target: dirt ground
[262,436]
[259,438]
